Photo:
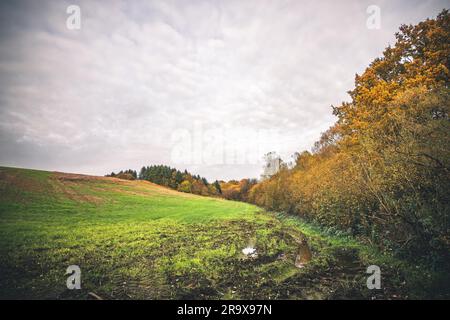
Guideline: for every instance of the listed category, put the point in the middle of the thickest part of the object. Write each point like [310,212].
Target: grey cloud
[111,95]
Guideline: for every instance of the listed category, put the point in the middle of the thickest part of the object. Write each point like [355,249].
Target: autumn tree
[382,171]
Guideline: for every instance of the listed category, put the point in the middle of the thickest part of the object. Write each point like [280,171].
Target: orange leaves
[383,169]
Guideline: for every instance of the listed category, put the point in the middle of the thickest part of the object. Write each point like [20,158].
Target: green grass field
[137,240]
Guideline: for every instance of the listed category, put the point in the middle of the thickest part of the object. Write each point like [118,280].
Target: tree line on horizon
[172,178]
[185,181]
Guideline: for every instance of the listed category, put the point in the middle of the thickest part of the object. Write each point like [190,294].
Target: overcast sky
[205,85]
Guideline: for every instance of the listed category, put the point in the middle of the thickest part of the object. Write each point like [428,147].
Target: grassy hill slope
[137,240]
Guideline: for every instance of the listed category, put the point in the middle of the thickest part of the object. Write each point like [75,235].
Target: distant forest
[172,178]
[185,181]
